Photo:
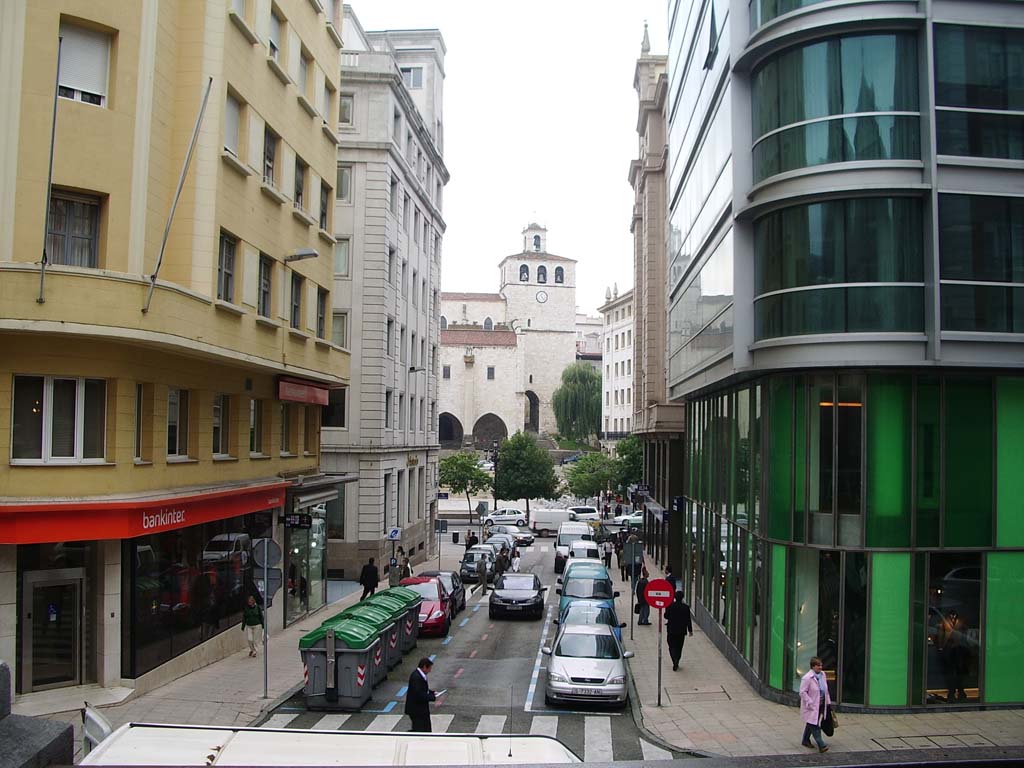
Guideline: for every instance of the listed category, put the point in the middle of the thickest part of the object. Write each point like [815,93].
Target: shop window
[256,432]
[222,421]
[814,588]
[953,627]
[58,420]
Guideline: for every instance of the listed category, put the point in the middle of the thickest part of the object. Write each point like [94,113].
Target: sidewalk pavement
[709,707]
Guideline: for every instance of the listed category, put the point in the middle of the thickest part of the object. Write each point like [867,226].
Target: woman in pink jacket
[814,700]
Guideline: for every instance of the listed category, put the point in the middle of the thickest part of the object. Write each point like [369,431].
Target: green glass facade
[892,541]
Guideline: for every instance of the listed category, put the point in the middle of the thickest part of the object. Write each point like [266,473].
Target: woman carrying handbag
[815,706]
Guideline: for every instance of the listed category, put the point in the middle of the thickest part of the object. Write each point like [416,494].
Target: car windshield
[472,557]
[579,646]
[516,582]
[565,539]
[601,588]
[588,614]
[427,589]
[446,580]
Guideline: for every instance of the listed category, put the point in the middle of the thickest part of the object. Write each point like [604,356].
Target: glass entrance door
[53,639]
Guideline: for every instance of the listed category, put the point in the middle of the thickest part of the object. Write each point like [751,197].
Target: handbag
[828,723]
[636,608]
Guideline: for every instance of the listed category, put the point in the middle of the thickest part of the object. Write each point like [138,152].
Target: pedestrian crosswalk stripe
[330,722]
[278,721]
[652,752]
[441,723]
[491,724]
[544,725]
[384,722]
[544,548]
[597,740]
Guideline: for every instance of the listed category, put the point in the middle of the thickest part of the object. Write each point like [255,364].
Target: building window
[232,124]
[709,60]
[388,401]
[221,425]
[266,277]
[274,36]
[310,430]
[321,313]
[339,329]
[72,232]
[344,186]
[59,420]
[488,324]
[396,128]
[299,196]
[446,371]
[335,412]
[413,360]
[536,242]
[401,344]
[177,422]
[325,206]
[401,410]
[140,421]
[346,109]
[524,273]
[413,77]
[285,437]
[270,140]
[811,87]
[393,195]
[295,316]
[256,427]
[389,342]
[542,274]
[336,515]
[406,208]
[444,323]
[226,267]
[415,296]
[490,373]
[84,65]
[559,275]
[302,76]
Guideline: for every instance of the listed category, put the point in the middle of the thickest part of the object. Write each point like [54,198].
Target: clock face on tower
[542,296]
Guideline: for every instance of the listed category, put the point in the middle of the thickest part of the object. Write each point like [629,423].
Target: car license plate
[514,607]
[586,691]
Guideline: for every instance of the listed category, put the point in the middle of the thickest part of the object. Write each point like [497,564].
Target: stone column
[8,611]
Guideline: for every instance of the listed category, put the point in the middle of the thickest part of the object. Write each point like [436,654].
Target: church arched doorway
[488,430]
[449,431]
[531,415]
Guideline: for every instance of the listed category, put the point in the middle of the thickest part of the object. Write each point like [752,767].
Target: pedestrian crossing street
[595,738]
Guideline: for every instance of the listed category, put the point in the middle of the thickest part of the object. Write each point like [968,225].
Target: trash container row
[351,652]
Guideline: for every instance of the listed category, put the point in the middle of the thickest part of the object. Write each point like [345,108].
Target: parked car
[517,594]
[587,582]
[571,458]
[436,610]
[500,540]
[584,512]
[592,612]
[568,533]
[467,568]
[452,583]
[485,465]
[504,515]
[586,665]
[545,521]
[631,520]
[521,538]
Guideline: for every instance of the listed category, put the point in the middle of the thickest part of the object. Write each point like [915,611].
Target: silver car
[587,664]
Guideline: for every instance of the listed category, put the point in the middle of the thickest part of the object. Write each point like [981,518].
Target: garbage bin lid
[353,633]
[379,616]
[406,595]
[393,605]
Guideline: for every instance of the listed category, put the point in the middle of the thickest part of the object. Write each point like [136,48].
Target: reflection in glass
[814,618]
[954,635]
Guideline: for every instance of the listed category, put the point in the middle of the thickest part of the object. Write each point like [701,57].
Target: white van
[584,548]
[545,522]
[567,534]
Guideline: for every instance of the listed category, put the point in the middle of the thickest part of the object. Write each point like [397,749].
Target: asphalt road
[494,673]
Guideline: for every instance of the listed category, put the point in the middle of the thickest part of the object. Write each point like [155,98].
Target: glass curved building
[846,330]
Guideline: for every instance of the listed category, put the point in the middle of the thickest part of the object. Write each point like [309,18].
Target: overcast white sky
[540,124]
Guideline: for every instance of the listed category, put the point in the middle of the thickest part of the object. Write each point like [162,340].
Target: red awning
[300,391]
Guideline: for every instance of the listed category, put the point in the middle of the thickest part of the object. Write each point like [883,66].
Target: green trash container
[409,602]
[378,658]
[337,664]
[387,628]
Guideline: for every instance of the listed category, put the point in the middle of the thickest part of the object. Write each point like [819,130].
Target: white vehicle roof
[187,745]
[574,527]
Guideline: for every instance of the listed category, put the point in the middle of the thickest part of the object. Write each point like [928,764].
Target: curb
[273,704]
[636,709]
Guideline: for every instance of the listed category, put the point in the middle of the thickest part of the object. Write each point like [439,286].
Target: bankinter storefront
[132,584]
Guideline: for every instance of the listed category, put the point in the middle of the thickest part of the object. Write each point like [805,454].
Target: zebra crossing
[595,738]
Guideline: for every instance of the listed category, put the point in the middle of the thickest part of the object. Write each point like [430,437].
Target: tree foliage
[590,474]
[524,471]
[460,473]
[577,402]
[629,461]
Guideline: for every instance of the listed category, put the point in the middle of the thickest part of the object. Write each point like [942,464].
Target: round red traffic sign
[659,594]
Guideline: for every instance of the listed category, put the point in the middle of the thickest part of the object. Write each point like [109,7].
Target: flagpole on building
[41,299]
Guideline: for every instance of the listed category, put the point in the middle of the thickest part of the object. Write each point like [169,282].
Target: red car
[436,609]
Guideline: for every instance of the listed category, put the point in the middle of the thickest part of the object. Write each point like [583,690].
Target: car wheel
[447,627]
[491,614]
[521,523]
[463,602]
[548,701]
[544,533]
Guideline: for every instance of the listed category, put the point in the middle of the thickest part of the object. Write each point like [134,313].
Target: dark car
[572,458]
[467,568]
[517,594]
[453,584]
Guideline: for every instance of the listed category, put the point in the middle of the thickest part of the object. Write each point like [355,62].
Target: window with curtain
[72,231]
[232,123]
[84,64]
[59,420]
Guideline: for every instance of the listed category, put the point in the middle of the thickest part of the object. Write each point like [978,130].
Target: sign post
[266,553]
[659,595]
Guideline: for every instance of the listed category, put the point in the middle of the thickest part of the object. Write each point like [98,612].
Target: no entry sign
[658,594]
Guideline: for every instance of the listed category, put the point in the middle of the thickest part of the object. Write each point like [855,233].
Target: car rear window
[597,588]
[588,646]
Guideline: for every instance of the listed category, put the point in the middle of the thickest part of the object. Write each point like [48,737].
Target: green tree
[629,462]
[524,471]
[577,402]
[460,473]
[591,474]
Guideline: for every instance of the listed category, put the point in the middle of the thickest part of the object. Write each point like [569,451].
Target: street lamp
[300,254]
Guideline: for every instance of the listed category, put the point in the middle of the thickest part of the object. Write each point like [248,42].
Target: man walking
[645,609]
[369,578]
[678,626]
[606,550]
[252,624]
[481,572]
[419,696]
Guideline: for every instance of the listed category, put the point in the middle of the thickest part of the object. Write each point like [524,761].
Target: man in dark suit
[369,577]
[678,625]
[419,696]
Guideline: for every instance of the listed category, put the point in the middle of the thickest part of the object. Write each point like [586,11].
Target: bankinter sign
[163,518]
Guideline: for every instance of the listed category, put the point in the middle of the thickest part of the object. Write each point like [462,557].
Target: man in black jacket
[678,625]
[419,696]
[369,577]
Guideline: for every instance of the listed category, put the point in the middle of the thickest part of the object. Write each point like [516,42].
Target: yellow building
[147,441]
